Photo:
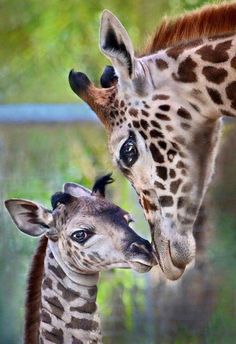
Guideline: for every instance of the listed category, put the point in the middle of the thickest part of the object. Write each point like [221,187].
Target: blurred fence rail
[49,113]
[41,113]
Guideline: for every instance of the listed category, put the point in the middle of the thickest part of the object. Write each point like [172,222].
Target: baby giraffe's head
[86,232]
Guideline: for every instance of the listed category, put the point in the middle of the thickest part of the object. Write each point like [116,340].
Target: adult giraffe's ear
[30,217]
[116,45]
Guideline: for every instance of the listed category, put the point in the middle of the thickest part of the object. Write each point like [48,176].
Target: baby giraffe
[83,235]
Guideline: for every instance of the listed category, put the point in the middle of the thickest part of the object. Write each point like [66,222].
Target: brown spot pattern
[82,324]
[55,305]
[133,112]
[215,55]
[88,307]
[231,93]
[55,335]
[157,156]
[182,112]
[155,124]
[174,52]
[233,62]
[162,117]
[174,186]
[186,71]
[144,113]
[164,107]
[144,124]
[45,317]
[161,172]
[214,95]
[181,202]
[166,201]
[161,64]
[156,133]
[227,113]
[160,97]
[57,271]
[215,75]
[159,185]
[67,293]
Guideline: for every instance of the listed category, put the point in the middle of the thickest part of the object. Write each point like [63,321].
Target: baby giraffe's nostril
[145,249]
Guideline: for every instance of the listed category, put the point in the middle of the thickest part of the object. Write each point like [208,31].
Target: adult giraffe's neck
[201,74]
[68,311]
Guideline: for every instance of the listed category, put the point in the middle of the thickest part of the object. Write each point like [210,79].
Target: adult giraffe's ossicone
[162,112]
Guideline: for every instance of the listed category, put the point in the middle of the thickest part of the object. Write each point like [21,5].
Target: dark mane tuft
[33,295]
[60,197]
[100,184]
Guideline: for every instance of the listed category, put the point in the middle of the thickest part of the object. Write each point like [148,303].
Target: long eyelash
[100,184]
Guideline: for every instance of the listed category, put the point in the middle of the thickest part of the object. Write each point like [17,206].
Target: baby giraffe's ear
[31,218]
[116,45]
[76,190]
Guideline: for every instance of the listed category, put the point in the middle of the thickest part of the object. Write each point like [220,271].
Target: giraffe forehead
[91,213]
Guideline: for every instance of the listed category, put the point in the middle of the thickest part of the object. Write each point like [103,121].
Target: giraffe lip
[164,258]
[140,266]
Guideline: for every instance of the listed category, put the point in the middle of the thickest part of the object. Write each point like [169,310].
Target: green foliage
[41,41]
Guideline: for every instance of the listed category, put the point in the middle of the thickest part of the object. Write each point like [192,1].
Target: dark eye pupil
[129,153]
[79,236]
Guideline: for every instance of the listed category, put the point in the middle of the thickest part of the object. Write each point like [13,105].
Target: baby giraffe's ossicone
[83,235]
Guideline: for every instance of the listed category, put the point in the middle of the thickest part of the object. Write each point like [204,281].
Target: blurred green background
[40,42]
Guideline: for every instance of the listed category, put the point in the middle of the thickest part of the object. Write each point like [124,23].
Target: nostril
[140,248]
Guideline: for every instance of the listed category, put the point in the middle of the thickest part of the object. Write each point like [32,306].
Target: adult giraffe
[162,111]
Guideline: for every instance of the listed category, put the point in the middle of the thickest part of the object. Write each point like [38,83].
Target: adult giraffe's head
[161,112]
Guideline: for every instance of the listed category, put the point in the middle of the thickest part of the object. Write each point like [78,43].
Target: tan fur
[33,296]
[209,21]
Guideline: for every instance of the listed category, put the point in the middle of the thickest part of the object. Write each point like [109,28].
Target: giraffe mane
[33,295]
[209,21]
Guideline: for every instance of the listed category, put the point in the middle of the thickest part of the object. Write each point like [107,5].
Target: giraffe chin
[165,260]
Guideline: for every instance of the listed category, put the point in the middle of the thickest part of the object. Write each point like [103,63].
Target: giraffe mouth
[165,260]
[139,266]
[173,256]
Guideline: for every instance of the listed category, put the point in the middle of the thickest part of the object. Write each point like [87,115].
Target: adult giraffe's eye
[81,236]
[129,152]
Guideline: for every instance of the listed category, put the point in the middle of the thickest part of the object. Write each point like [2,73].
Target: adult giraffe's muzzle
[173,253]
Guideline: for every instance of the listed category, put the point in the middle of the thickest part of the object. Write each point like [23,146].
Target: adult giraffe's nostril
[79,82]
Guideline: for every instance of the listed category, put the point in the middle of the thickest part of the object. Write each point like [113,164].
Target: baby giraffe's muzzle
[140,255]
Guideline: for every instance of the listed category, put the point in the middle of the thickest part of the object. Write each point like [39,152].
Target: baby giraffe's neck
[68,312]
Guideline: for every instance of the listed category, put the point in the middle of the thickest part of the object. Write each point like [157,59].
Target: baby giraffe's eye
[81,235]
[129,152]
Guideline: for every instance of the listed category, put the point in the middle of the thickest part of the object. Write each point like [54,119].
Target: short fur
[60,197]
[33,296]
[209,21]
